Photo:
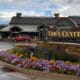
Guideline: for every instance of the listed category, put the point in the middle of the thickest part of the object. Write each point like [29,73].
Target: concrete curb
[7,65]
[35,73]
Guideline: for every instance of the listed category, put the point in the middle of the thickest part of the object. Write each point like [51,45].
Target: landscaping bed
[21,59]
[35,74]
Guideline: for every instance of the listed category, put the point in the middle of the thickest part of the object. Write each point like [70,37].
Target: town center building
[28,25]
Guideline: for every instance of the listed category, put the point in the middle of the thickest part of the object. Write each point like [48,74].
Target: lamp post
[46,30]
[13,42]
[40,32]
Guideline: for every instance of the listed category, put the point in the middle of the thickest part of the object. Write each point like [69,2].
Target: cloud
[68,7]
[73,1]
[9,8]
[5,16]
[65,2]
[8,15]
[31,4]
[33,13]
[29,7]
[12,1]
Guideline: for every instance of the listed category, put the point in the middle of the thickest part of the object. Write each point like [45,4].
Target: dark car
[22,38]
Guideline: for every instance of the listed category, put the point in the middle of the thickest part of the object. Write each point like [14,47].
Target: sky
[9,8]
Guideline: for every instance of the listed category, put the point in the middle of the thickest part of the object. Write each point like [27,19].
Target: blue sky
[9,8]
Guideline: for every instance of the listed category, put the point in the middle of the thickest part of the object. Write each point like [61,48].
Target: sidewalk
[37,75]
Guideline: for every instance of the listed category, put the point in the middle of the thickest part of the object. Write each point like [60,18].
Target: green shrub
[17,50]
[38,52]
[56,54]
[50,53]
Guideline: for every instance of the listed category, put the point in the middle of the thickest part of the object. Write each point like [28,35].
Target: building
[26,25]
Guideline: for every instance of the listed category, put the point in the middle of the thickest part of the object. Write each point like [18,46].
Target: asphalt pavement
[5,45]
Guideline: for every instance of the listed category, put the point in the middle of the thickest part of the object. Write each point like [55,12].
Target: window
[64,23]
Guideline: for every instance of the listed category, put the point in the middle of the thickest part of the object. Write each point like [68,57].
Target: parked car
[22,38]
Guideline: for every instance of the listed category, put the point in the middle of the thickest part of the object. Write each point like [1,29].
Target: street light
[46,30]
[13,42]
[40,31]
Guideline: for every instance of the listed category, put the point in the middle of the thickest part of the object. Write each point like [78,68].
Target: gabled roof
[32,20]
[76,19]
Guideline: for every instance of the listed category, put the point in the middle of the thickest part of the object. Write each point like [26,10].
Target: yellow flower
[17,54]
[52,62]
[68,62]
[33,58]
[21,55]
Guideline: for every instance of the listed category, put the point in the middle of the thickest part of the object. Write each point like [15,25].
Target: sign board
[64,34]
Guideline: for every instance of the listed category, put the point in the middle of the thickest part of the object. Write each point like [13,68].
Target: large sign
[64,34]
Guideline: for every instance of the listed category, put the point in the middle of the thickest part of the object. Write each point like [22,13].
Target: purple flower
[12,59]
[15,60]
[3,53]
[78,68]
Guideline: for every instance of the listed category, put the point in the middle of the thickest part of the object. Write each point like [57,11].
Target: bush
[20,51]
[55,54]
[17,50]
[38,52]
[47,53]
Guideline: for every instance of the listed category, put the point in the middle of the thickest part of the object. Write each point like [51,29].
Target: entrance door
[15,34]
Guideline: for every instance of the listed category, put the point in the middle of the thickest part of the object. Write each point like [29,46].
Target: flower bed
[40,64]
